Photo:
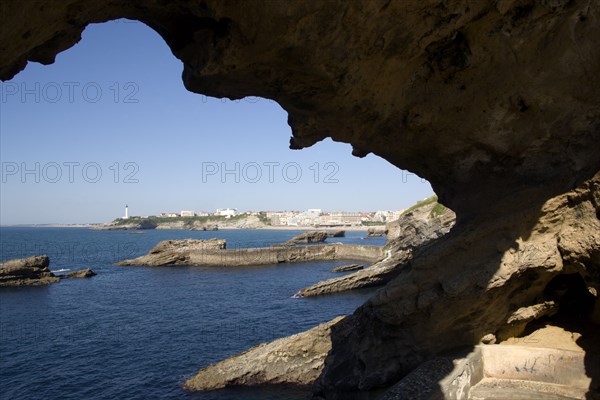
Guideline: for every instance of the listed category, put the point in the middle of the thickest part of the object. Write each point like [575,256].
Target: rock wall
[470,284]
[495,103]
[408,235]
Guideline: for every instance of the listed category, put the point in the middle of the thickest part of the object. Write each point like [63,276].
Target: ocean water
[137,332]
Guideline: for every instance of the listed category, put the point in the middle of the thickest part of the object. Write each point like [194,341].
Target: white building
[187,213]
[226,212]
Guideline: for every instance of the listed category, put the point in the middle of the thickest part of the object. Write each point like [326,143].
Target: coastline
[266,227]
[301,228]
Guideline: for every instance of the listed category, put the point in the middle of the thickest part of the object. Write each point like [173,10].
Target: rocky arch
[495,103]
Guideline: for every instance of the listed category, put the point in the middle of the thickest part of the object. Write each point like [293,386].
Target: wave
[60,270]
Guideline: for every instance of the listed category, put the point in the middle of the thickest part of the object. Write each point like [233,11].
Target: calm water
[138,333]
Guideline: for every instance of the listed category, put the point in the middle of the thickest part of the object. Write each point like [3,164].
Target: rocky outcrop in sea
[34,271]
[213,252]
[308,237]
[296,359]
[26,272]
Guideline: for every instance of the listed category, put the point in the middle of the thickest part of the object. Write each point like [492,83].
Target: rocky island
[34,271]
[213,252]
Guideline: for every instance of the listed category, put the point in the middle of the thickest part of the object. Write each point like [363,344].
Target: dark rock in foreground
[27,271]
[346,268]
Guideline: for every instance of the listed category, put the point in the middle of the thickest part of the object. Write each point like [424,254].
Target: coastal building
[226,212]
[126,212]
[343,218]
[280,218]
[168,214]
[202,214]
[309,217]
[187,213]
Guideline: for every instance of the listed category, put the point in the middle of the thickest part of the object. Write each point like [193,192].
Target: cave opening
[112,111]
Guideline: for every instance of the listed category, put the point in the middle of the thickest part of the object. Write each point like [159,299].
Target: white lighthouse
[126,211]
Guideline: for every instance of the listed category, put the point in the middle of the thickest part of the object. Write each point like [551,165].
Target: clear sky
[110,123]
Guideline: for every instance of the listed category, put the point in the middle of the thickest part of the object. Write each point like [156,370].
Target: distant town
[310,217]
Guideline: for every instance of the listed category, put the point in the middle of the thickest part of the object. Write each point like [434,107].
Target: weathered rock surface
[494,103]
[408,234]
[346,268]
[375,232]
[296,359]
[184,245]
[171,225]
[309,237]
[83,273]
[27,271]
[213,252]
[447,293]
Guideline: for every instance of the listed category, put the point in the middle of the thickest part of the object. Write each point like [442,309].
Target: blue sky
[110,123]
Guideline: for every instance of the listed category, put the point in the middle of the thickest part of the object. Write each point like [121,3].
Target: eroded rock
[213,252]
[309,237]
[447,293]
[494,103]
[296,359]
[375,232]
[27,271]
[405,236]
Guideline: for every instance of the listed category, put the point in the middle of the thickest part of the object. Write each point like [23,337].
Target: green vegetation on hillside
[263,218]
[422,203]
[188,222]
[438,209]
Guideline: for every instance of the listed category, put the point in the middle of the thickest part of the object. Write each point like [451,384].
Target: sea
[140,332]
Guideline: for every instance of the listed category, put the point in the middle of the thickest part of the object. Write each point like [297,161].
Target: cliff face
[405,237]
[495,103]
[479,282]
